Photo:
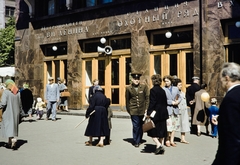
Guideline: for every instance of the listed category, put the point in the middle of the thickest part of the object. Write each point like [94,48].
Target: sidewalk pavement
[116,114]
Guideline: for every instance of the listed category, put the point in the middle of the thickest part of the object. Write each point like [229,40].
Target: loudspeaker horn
[100,50]
[108,50]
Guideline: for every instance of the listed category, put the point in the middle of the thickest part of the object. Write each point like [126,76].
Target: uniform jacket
[229,130]
[175,95]
[158,102]
[137,101]
[52,92]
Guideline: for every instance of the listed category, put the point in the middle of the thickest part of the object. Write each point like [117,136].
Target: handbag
[65,94]
[148,125]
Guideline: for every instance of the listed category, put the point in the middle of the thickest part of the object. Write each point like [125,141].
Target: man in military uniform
[137,100]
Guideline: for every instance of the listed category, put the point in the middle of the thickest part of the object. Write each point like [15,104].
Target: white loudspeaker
[107,50]
[100,50]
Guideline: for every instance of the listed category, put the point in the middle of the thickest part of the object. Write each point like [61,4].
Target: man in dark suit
[228,152]
[190,95]
[137,100]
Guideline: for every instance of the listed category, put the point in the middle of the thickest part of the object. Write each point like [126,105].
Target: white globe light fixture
[168,34]
[54,48]
[103,40]
[237,24]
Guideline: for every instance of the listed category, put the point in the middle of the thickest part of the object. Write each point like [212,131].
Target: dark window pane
[128,70]
[55,50]
[233,54]
[101,72]
[173,64]
[91,3]
[91,47]
[189,67]
[115,96]
[115,72]
[62,6]
[233,32]
[105,1]
[121,44]
[177,37]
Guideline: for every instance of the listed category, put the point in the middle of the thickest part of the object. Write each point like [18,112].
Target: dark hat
[136,75]
[59,79]
[195,78]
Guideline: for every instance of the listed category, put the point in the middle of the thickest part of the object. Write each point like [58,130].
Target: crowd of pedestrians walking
[169,104]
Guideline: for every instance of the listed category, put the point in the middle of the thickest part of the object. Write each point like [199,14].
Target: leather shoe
[136,145]
[99,145]
[160,150]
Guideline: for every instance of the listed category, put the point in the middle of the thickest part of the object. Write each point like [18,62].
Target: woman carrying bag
[158,102]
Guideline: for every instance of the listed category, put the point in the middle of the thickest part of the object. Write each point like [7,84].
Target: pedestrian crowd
[166,107]
[18,104]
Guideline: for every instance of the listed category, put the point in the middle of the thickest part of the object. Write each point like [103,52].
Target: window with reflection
[51,7]
[88,71]
[157,64]
[101,72]
[115,72]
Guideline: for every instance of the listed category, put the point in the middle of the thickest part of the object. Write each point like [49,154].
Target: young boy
[213,110]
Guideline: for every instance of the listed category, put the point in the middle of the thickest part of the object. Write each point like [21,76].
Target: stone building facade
[183,38]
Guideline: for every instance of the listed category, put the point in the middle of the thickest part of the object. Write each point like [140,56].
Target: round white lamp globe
[168,34]
[237,24]
[103,40]
[205,97]
[54,48]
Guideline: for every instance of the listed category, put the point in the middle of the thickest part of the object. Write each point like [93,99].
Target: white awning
[7,71]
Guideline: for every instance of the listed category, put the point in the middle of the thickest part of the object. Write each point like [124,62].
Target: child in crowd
[39,107]
[213,110]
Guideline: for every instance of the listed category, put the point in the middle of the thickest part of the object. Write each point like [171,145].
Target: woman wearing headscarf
[11,105]
[98,121]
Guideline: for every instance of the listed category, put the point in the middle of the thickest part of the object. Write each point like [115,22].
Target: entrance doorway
[175,62]
[113,75]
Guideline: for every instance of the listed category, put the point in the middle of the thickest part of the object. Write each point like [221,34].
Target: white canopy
[7,71]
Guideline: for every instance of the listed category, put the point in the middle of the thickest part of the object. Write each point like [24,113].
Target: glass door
[113,75]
